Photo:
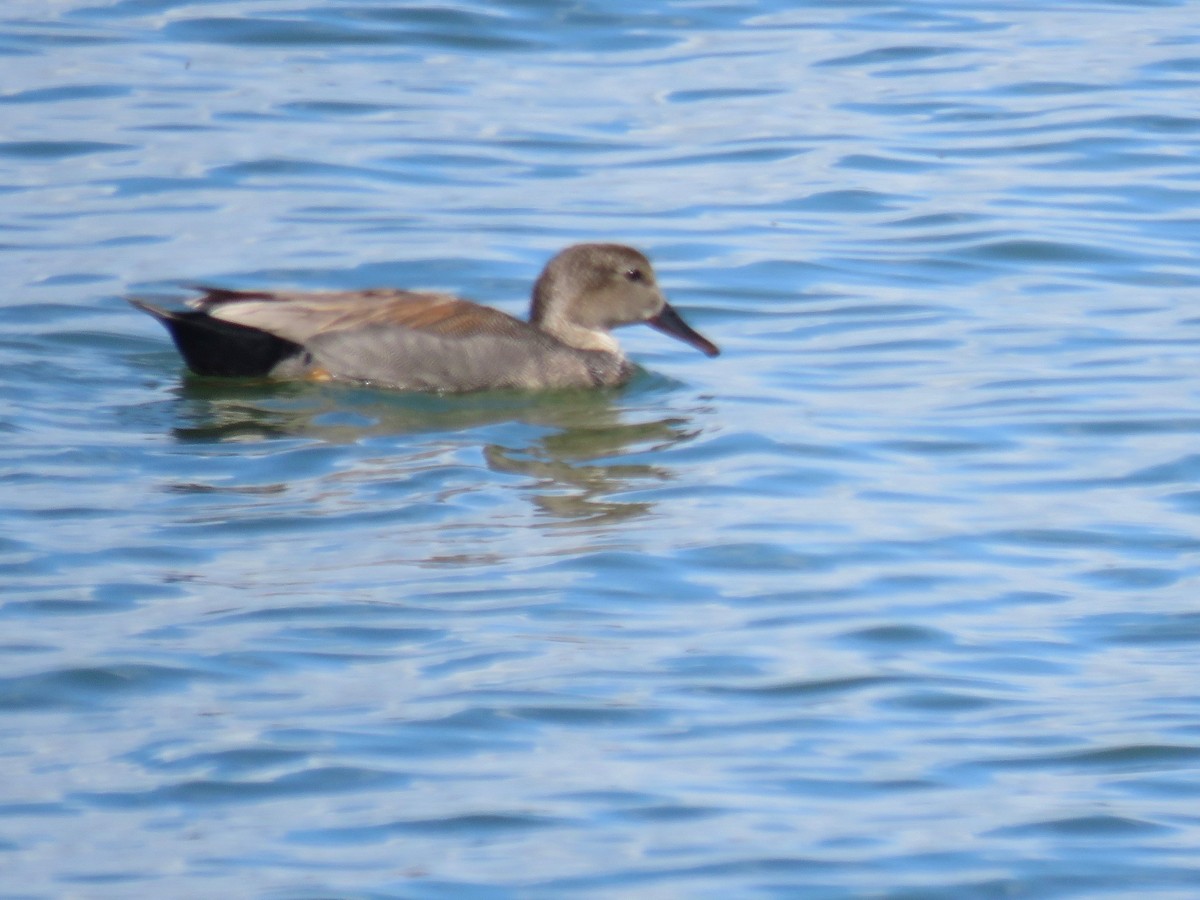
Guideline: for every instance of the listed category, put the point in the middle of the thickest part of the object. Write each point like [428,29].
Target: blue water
[899,597]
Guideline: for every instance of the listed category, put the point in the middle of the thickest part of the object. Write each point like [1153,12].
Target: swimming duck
[422,341]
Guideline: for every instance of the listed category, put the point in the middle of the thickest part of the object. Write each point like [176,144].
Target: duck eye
[635,275]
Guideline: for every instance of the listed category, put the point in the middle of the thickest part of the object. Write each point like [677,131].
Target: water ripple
[894,598]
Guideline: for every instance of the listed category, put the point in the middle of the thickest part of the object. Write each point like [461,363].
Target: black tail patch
[213,347]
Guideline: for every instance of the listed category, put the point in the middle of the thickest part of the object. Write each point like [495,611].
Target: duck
[422,341]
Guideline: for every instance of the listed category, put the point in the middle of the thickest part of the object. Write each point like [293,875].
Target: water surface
[897,597]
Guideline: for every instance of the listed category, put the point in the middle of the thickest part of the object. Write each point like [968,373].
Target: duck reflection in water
[568,444]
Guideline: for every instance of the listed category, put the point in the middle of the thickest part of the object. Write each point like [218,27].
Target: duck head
[589,289]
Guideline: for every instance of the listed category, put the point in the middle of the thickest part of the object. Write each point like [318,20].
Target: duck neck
[549,314]
[580,337]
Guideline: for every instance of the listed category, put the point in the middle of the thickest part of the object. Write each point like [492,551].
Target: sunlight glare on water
[897,597]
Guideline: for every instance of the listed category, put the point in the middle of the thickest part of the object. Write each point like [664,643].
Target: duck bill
[670,322]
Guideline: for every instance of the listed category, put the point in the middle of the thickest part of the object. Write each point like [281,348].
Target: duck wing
[301,317]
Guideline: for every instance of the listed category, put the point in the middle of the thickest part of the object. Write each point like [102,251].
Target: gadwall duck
[418,341]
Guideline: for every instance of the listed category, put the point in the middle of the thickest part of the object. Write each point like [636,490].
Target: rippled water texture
[897,597]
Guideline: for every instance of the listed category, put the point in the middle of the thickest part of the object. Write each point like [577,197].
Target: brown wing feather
[299,317]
